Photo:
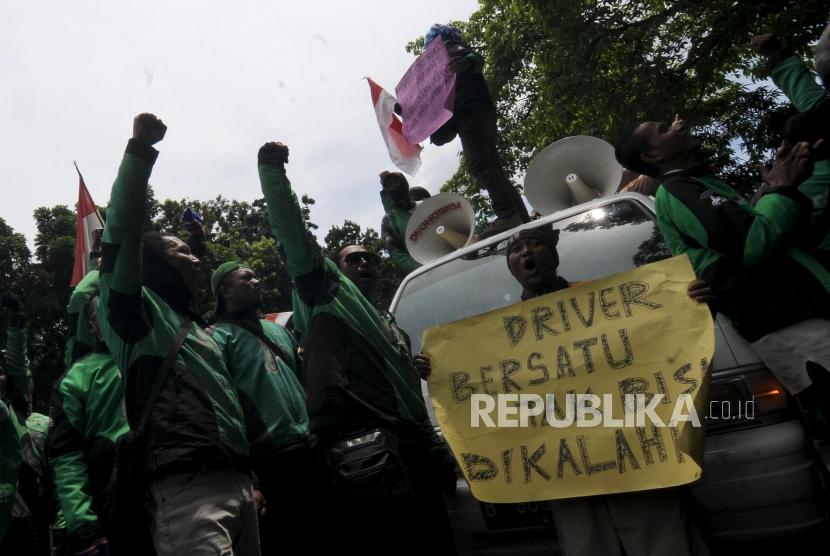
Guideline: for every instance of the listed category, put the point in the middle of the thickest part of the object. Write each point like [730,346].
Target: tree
[14,268]
[584,67]
[14,257]
[46,293]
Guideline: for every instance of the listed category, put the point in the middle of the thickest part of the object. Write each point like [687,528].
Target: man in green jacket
[87,419]
[10,434]
[359,376]
[80,341]
[196,450]
[14,408]
[398,203]
[777,296]
[262,359]
[798,83]
[33,507]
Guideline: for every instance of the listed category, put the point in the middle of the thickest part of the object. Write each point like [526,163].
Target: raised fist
[766,44]
[393,180]
[273,153]
[148,129]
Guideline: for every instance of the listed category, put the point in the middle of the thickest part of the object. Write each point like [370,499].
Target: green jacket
[11,433]
[80,340]
[17,371]
[353,354]
[744,253]
[13,412]
[268,383]
[87,413]
[393,233]
[799,84]
[34,450]
[197,417]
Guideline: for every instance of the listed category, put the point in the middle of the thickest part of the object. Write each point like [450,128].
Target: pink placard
[426,93]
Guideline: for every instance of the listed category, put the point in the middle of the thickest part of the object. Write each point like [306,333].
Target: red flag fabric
[405,156]
[87,222]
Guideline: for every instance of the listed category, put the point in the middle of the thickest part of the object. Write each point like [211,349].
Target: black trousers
[293,486]
[478,133]
[419,525]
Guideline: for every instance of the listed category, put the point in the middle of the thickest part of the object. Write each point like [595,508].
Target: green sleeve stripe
[72,489]
[124,224]
[775,217]
[286,218]
[798,83]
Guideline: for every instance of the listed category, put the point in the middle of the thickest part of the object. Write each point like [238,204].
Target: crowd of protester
[172,435]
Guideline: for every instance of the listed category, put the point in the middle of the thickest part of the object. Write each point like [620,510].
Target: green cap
[219,274]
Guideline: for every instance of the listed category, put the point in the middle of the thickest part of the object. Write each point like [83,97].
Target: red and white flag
[87,222]
[405,156]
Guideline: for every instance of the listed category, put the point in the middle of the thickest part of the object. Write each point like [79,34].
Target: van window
[596,243]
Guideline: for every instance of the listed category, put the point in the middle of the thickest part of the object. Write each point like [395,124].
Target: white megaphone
[439,225]
[571,171]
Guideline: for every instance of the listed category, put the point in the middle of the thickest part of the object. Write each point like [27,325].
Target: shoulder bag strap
[163,372]
[257,331]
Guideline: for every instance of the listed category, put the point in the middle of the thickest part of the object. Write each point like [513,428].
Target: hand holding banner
[594,389]
[426,93]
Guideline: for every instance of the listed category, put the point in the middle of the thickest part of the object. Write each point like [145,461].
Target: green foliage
[14,256]
[46,294]
[567,67]
[44,286]
[14,266]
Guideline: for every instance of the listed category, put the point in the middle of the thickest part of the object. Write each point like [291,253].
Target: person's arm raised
[285,216]
[120,271]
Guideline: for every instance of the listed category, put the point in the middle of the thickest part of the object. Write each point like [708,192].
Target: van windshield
[592,244]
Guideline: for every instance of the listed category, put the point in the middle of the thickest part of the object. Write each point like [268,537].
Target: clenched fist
[273,153]
[148,129]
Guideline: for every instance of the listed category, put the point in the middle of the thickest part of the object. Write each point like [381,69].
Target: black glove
[273,153]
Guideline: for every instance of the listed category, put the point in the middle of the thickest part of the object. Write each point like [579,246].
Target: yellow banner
[625,357]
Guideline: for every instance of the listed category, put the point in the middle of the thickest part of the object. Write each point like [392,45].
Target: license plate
[515,516]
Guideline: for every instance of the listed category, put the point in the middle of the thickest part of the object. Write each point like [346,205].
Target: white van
[762,478]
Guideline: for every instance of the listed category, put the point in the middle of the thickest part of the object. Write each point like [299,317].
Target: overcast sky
[225,77]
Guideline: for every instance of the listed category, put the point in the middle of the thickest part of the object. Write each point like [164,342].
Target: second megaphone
[571,171]
[439,225]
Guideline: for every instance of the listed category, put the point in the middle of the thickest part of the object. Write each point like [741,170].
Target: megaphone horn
[580,193]
[439,225]
[456,239]
[571,171]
